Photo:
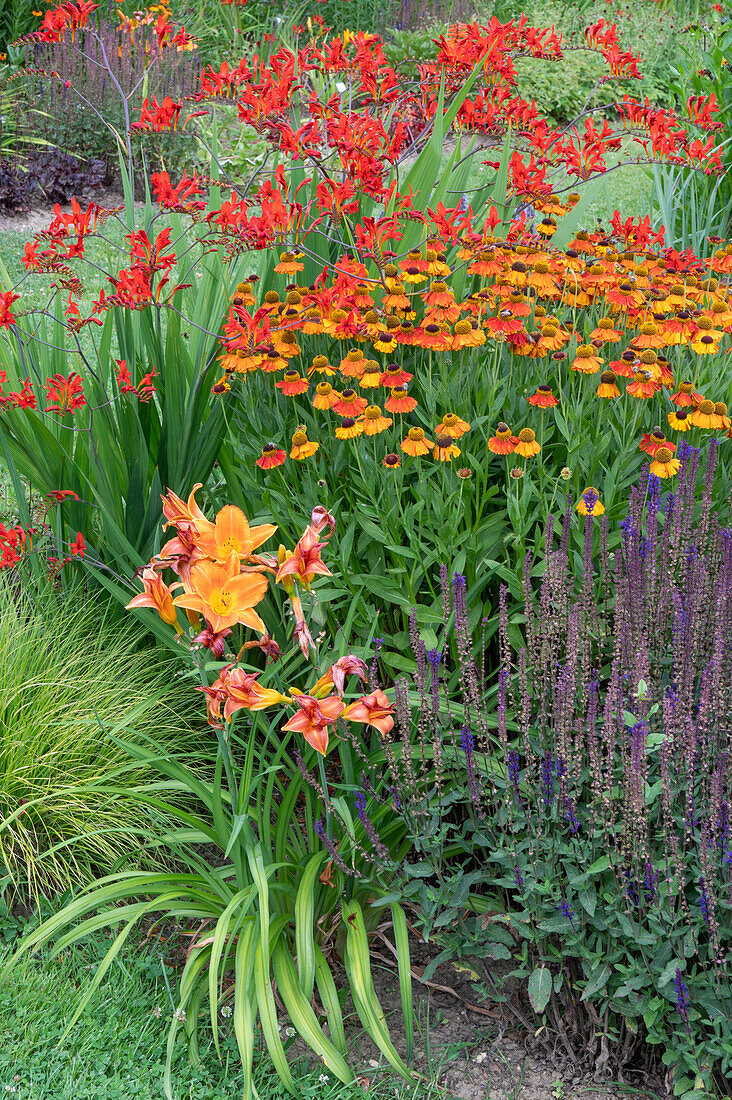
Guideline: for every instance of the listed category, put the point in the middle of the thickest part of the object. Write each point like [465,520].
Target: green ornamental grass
[68,674]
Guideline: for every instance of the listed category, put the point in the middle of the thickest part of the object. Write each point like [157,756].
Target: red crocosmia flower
[145,388]
[373,710]
[26,399]
[6,300]
[64,394]
[124,381]
[270,457]
[60,495]
[30,255]
[314,718]
[78,546]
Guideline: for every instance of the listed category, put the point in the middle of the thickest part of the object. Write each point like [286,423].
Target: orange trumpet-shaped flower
[373,710]
[223,595]
[231,533]
[177,511]
[336,675]
[305,561]
[313,719]
[244,692]
[157,595]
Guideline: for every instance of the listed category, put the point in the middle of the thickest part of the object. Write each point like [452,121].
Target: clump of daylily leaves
[222,578]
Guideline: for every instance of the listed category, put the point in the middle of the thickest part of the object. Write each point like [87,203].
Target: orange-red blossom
[373,710]
[314,718]
[305,561]
[157,595]
[336,675]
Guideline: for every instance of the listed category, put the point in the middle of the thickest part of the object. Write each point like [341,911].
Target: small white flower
[157,1012]
[180,1015]
[226,1010]
[324,1077]
[289,1032]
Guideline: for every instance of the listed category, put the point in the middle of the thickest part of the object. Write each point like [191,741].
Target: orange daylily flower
[177,511]
[224,595]
[373,710]
[244,692]
[305,561]
[157,595]
[336,675]
[231,533]
[313,719]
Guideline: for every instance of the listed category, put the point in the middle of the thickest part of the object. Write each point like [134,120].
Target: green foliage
[404,45]
[691,205]
[131,450]
[239,149]
[259,902]
[75,671]
[562,88]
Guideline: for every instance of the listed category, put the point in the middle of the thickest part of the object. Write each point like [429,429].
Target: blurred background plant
[100,74]
[693,206]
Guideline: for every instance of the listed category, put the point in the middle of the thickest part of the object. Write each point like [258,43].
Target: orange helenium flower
[416,443]
[664,464]
[527,446]
[374,421]
[399,401]
[292,383]
[349,428]
[653,441]
[543,398]
[349,403]
[453,426]
[325,396]
[444,448]
[270,457]
[608,387]
[502,443]
[302,447]
[706,416]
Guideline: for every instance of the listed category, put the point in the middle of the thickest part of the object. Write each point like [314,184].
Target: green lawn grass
[117,1049]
